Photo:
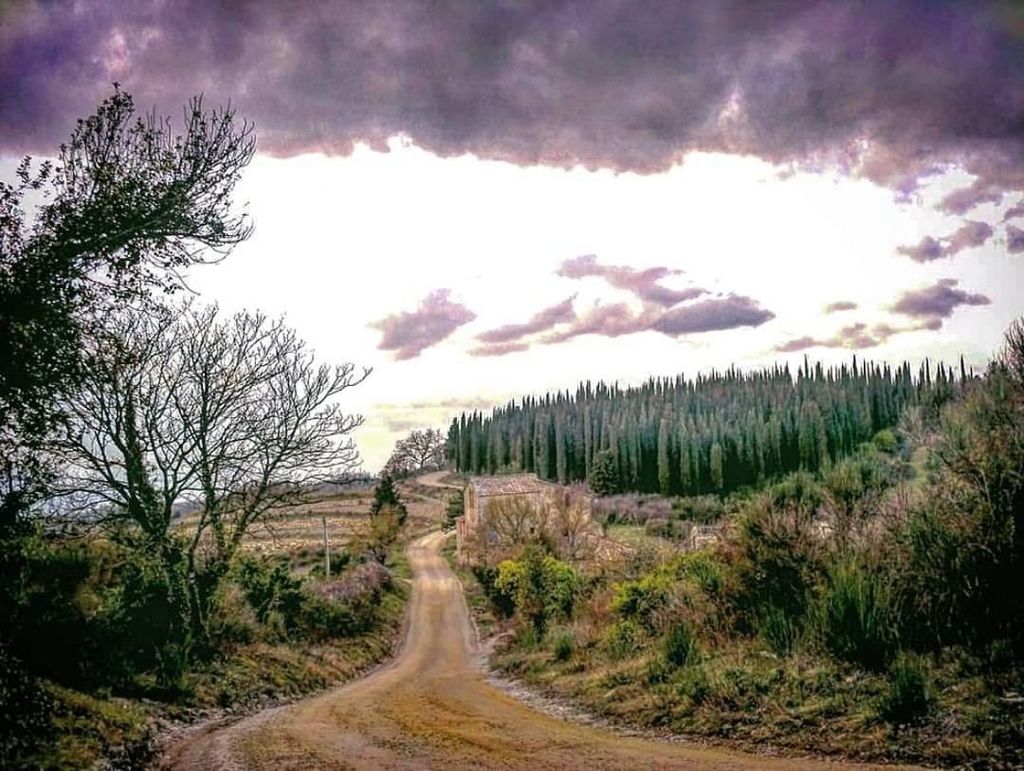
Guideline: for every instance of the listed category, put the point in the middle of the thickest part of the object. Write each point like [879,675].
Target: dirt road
[432,708]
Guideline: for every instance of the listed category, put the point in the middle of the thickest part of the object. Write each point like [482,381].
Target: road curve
[432,708]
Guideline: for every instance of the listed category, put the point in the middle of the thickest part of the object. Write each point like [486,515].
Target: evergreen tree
[604,475]
[660,435]
[716,467]
[664,463]
[385,496]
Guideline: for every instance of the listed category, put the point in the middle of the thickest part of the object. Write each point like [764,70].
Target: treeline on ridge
[715,433]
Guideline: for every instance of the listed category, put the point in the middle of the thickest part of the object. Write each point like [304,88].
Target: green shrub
[323,619]
[270,587]
[565,645]
[779,630]
[643,600]
[622,639]
[885,440]
[502,602]
[26,712]
[779,560]
[659,670]
[855,618]
[701,567]
[542,587]
[702,509]
[694,684]
[680,648]
[907,698]
[340,559]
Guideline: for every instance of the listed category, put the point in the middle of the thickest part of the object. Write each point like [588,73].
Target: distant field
[296,532]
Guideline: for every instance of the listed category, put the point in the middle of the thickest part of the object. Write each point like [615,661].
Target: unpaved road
[431,708]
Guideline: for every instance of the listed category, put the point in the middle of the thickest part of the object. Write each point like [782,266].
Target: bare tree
[570,524]
[516,520]
[422,450]
[233,416]
[127,204]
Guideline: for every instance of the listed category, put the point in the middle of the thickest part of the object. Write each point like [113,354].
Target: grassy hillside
[281,630]
[870,608]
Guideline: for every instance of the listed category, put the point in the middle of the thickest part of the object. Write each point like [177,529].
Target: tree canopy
[126,206]
[716,433]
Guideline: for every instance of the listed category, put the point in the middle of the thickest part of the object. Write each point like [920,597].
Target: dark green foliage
[856,618]
[964,545]
[680,648]
[779,561]
[907,698]
[716,434]
[779,629]
[454,510]
[125,200]
[503,603]
[604,474]
[25,711]
[270,588]
[541,587]
[702,509]
[622,639]
[385,497]
[565,645]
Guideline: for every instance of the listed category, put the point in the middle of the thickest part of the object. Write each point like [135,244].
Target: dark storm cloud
[936,302]
[1014,239]
[969,235]
[643,283]
[869,87]
[840,305]
[411,332]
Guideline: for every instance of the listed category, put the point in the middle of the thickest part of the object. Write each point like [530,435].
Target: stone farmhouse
[502,510]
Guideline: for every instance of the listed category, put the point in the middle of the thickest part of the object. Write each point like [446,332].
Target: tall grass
[908,697]
[855,616]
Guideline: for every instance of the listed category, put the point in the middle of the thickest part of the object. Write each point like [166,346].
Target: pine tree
[664,462]
[604,475]
[716,466]
[385,496]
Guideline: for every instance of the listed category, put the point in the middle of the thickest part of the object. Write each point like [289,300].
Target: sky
[486,200]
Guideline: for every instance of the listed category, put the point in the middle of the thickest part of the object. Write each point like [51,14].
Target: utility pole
[327,549]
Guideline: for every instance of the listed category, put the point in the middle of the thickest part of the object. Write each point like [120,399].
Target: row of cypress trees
[715,433]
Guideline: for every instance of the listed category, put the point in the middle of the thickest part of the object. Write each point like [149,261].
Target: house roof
[509,484]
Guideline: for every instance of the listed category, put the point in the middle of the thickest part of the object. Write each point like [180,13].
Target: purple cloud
[966,198]
[840,305]
[498,349]
[712,315]
[409,333]
[934,303]
[853,336]
[1015,211]
[797,344]
[929,248]
[865,87]
[642,283]
[539,322]
[1014,239]
[971,234]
